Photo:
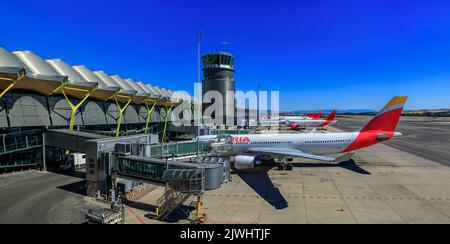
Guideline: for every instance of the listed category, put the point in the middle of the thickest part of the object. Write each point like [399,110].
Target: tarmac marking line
[135,215]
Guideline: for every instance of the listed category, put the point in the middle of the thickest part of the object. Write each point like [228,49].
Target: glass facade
[13,149]
[20,141]
[20,159]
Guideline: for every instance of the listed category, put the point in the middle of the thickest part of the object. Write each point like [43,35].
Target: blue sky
[319,54]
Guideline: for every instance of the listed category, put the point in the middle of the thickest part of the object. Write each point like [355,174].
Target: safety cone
[342,209]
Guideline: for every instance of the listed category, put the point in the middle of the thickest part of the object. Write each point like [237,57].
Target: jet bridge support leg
[121,111]
[149,115]
[165,123]
[199,218]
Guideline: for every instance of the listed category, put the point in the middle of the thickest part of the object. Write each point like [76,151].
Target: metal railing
[181,184]
[179,149]
[231,132]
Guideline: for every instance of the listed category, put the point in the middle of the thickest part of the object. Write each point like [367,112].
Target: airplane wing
[289,152]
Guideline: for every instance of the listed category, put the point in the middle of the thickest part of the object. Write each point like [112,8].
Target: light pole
[199,42]
[199,110]
[258,108]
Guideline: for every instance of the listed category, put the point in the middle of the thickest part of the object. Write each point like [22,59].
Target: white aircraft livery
[250,149]
[304,123]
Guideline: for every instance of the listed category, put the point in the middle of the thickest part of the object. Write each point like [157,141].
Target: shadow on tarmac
[78,187]
[348,165]
[260,182]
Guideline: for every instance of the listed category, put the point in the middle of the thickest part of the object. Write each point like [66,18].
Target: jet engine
[246,162]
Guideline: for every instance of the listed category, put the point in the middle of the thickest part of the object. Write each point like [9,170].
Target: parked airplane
[283,120]
[310,116]
[320,123]
[250,150]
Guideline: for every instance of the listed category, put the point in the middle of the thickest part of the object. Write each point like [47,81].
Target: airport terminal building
[50,109]
[37,95]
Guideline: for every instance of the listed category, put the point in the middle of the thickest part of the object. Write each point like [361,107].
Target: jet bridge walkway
[182,179]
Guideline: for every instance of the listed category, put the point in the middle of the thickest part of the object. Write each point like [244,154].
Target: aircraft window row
[330,141]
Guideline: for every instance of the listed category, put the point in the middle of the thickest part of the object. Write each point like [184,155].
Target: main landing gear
[285,164]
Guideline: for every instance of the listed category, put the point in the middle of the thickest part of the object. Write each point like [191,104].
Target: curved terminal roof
[102,92]
[107,80]
[150,90]
[161,92]
[88,75]
[35,64]
[133,85]
[64,69]
[39,76]
[171,96]
[141,94]
[138,96]
[122,95]
[125,86]
[54,76]
[153,90]
[9,63]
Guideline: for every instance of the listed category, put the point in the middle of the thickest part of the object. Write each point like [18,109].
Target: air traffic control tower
[218,72]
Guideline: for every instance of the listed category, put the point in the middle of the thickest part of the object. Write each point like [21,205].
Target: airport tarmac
[385,184]
[403,181]
[422,136]
[42,198]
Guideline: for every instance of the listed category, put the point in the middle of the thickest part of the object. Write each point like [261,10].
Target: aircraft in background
[249,151]
[283,120]
[320,123]
[310,116]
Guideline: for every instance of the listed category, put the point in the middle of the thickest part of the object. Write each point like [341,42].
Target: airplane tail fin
[319,115]
[330,119]
[387,119]
[332,116]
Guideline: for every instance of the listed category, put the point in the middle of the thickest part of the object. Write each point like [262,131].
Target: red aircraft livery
[240,139]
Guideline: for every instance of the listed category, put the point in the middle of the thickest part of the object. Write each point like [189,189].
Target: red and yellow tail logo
[382,127]
[387,119]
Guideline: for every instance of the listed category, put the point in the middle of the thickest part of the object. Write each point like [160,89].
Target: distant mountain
[356,111]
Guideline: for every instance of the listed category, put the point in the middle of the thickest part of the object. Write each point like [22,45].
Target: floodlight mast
[199,103]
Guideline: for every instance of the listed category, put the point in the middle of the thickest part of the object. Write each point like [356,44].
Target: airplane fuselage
[314,143]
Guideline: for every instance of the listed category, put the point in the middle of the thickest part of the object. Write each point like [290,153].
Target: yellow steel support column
[58,89]
[74,108]
[15,81]
[165,123]
[121,110]
[149,114]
